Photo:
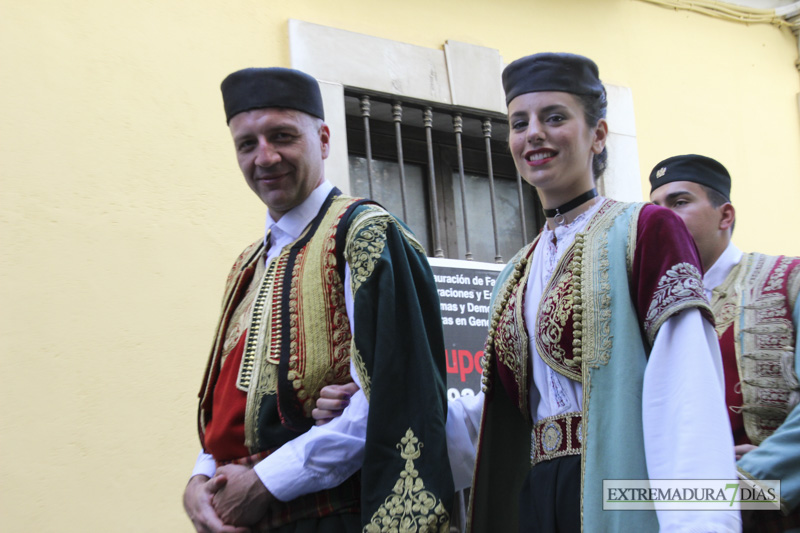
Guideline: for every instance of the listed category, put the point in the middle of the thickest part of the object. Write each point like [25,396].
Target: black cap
[695,168]
[569,73]
[256,88]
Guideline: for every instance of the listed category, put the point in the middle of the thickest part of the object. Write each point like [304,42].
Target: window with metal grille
[445,171]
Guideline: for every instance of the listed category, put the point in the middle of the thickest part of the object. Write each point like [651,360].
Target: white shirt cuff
[204,466]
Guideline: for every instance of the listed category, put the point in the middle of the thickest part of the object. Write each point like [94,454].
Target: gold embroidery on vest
[725,300]
[596,311]
[507,340]
[593,318]
[240,317]
[765,347]
[596,345]
[265,356]
[724,318]
[410,508]
[775,282]
[555,311]
[317,312]
[232,286]
[511,337]
[490,346]
[633,240]
[323,320]
[366,240]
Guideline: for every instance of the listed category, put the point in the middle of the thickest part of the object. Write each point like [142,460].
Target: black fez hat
[695,168]
[256,88]
[568,73]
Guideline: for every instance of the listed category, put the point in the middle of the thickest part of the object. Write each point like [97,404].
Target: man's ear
[728,216]
[325,139]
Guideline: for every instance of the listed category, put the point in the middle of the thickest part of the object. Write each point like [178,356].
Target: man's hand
[243,499]
[741,449]
[197,502]
[332,401]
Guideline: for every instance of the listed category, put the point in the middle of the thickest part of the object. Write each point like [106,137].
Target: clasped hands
[235,498]
[230,502]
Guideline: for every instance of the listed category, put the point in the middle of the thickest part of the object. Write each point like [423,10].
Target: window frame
[446,168]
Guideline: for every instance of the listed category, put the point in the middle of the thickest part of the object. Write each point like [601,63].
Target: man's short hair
[716,199]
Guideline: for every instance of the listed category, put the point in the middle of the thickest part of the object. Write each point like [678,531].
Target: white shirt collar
[721,268]
[296,219]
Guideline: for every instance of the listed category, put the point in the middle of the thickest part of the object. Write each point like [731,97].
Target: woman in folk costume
[601,361]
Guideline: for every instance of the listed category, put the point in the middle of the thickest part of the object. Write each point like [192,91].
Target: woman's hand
[332,401]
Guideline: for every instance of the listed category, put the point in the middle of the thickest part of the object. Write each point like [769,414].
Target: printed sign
[465,291]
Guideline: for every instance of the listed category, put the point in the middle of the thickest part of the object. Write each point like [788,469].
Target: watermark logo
[690,495]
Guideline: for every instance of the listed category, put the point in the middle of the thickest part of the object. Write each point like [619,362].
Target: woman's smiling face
[551,143]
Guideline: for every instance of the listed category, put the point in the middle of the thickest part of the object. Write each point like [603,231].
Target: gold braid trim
[495,336]
[633,239]
[258,373]
[410,508]
[594,315]
[361,369]
[411,238]
[725,299]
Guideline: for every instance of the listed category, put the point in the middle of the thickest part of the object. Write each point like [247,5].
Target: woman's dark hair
[594,108]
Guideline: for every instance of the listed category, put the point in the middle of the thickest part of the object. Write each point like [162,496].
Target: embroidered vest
[298,337]
[558,333]
[756,300]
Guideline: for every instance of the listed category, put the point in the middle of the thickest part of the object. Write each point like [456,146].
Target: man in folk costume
[754,299]
[601,361]
[336,289]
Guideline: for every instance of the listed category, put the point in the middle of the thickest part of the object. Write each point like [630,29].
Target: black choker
[559,211]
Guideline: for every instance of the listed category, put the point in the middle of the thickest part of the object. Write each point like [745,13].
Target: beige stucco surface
[122,206]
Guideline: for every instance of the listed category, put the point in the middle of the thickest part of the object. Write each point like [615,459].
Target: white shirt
[721,268]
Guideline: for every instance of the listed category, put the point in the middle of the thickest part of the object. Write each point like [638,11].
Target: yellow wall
[122,205]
